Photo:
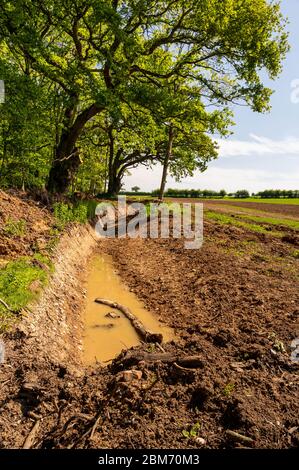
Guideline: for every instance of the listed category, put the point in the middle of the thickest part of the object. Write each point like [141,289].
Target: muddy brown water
[105,336]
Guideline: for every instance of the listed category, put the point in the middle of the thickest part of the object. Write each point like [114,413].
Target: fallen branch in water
[187,362]
[145,334]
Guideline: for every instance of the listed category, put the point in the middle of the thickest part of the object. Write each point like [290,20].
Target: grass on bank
[80,212]
[21,281]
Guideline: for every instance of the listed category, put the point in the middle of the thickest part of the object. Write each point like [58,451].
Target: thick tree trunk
[67,159]
[114,177]
[166,161]
[114,186]
[63,169]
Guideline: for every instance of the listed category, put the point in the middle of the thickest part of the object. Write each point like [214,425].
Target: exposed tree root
[187,362]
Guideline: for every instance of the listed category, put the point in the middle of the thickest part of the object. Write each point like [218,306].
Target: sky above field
[263,151]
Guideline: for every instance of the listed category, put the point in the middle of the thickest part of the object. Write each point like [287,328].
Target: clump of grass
[295,254]
[44,260]
[15,281]
[54,239]
[14,228]
[90,205]
[7,320]
[228,389]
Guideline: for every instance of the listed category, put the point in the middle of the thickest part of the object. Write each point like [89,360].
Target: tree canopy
[93,86]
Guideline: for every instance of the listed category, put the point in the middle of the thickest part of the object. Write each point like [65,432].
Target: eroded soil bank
[233,304]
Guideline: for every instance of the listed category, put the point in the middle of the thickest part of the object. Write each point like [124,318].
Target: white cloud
[232,173]
[258,146]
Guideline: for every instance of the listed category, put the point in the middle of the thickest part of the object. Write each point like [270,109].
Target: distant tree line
[278,193]
[208,193]
[192,193]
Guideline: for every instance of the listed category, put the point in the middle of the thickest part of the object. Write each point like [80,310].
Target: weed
[15,228]
[192,432]
[80,213]
[65,213]
[228,389]
[279,346]
[7,320]
[295,254]
[44,260]
[151,348]
[90,206]
[51,244]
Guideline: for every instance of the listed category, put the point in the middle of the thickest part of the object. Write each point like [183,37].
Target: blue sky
[263,151]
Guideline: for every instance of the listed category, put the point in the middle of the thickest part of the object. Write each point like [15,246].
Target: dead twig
[160,347]
[29,441]
[239,437]
[185,369]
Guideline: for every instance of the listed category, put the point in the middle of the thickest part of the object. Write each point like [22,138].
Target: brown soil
[38,221]
[234,303]
[278,209]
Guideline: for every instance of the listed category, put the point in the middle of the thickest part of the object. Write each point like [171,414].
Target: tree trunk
[114,178]
[166,161]
[67,159]
[114,186]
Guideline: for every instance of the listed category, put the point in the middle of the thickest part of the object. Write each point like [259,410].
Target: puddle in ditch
[105,337]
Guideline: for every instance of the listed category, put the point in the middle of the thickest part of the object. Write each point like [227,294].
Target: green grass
[235,220]
[228,220]
[81,212]
[228,389]
[294,201]
[65,213]
[15,281]
[294,224]
[192,432]
[14,228]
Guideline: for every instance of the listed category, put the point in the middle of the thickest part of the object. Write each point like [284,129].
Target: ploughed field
[233,304]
